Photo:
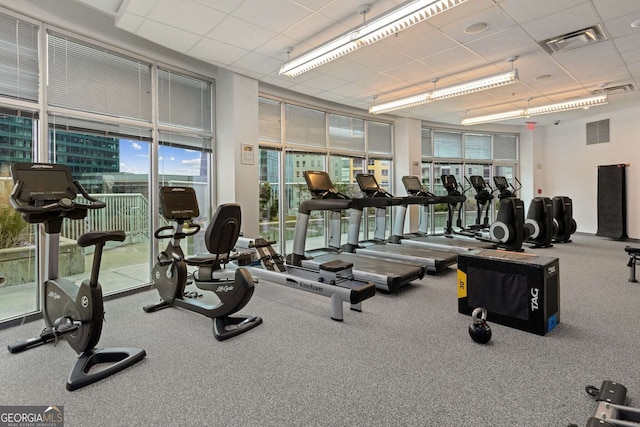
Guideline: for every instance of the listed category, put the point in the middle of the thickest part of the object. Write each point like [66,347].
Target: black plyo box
[517,289]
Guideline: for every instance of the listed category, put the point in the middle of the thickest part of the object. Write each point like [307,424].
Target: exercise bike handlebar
[158,234]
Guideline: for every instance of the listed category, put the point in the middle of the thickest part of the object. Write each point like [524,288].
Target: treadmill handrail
[324,205]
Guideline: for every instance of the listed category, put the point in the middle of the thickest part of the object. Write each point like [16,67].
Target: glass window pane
[269,178]
[346,133]
[114,169]
[379,138]
[447,144]
[295,192]
[305,127]
[440,210]
[477,146]
[18,264]
[179,166]
[471,214]
[269,120]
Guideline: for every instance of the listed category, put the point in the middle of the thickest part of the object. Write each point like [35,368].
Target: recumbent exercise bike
[170,276]
[46,194]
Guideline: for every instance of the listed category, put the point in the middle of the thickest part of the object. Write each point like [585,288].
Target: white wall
[571,167]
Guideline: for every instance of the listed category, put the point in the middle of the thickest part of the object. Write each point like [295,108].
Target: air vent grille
[598,132]
[615,89]
[574,40]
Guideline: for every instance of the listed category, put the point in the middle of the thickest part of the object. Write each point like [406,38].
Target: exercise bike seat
[96,237]
[632,250]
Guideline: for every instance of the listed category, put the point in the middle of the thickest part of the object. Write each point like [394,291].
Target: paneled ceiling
[250,37]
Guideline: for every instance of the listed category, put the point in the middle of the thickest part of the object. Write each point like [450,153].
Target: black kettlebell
[479,329]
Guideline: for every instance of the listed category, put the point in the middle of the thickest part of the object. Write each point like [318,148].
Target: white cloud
[136,146]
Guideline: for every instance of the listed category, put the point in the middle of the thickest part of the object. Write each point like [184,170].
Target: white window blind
[199,143]
[19,65]
[505,147]
[346,133]
[379,138]
[305,127]
[90,78]
[447,145]
[477,146]
[184,101]
[427,146]
[269,120]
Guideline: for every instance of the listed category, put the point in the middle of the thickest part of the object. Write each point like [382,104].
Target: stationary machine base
[633,260]
[119,358]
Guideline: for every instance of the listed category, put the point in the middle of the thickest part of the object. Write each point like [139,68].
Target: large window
[18,260]
[112,164]
[462,155]
[294,139]
[101,122]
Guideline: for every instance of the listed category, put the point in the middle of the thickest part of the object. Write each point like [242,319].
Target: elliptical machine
[483,200]
[45,194]
[563,219]
[507,231]
[169,274]
[540,223]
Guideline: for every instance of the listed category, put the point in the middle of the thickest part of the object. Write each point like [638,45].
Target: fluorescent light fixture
[448,92]
[396,20]
[545,109]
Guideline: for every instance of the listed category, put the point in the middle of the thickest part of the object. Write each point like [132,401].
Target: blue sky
[134,158]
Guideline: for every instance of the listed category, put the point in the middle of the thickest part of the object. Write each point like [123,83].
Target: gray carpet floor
[406,360]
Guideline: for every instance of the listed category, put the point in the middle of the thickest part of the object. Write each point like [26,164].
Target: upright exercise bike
[46,194]
[170,276]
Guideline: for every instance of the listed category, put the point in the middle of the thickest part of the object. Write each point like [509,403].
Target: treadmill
[385,275]
[433,261]
[421,238]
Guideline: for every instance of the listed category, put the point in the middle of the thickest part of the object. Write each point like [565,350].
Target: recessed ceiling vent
[615,89]
[574,40]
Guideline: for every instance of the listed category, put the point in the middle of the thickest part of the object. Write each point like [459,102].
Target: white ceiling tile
[170,37]
[527,11]
[275,15]
[627,43]
[258,63]
[129,22]
[138,7]
[500,44]
[610,9]
[237,32]
[406,63]
[421,41]
[380,58]
[325,82]
[311,24]
[562,22]
[215,51]
[495,18]
[226,6]
[186,14]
